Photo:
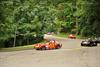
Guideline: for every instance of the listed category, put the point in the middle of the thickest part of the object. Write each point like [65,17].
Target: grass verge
[19,48]
[65,35]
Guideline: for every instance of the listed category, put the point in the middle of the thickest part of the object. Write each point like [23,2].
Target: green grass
[65,35]
[19,48]
[28,47]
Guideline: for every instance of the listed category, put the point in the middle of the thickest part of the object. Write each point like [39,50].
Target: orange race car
[48,46]
[72,36]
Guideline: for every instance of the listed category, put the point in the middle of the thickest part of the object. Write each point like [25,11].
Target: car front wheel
[82,44]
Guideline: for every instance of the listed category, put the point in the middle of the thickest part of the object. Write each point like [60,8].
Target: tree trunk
[14,40]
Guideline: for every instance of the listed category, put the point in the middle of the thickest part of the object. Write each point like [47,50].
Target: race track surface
[70,55]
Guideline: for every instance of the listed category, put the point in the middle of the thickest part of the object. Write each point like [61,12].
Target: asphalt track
[70,55]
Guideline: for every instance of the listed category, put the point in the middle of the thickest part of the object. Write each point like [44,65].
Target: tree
[88,12]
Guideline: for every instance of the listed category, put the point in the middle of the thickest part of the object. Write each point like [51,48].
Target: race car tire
[82,45]
[37,49]
[58,46]
[95,44]
[43,48]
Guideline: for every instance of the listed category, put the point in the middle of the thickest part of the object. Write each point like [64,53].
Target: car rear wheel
[43,48]
[58,46]
[95,44]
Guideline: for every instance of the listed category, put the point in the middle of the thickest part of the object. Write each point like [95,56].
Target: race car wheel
[43,48]
[95,44]
[82,45]
[37,49]
[58,46]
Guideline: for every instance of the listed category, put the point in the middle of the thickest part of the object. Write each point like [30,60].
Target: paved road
[70,55]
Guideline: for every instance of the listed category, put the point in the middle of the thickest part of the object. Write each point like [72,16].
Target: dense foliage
[25,21]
